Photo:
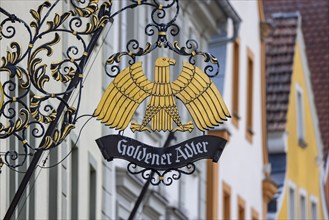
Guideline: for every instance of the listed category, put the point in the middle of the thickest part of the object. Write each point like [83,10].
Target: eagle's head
[164,62]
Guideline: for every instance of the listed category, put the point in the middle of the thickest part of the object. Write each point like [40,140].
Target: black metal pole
[51,128]
[23,184]
[141,196]
[5,12]
[145,187]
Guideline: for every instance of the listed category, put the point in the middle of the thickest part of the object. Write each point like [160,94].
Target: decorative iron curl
[164,26]
[133,50]
[166,177]
[12,156]
[29,72]
[191,50]
[10,31]
[1,163]
[37,130]
[161,24]
[15,122]
[14,159]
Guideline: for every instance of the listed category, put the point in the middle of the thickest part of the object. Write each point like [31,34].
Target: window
[250,78]
[223,133]
[31,190]
[74,182]
[64,180]
[300,117]
[26,207]
[194,199]
[302,207]
[291,203]
[254,214]
[53,184]
[226,201]
[92,192]
[181,194]
[235,83]
[314,209]
[212,190]
[241,209]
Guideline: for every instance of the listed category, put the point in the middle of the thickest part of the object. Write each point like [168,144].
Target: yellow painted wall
[302,167]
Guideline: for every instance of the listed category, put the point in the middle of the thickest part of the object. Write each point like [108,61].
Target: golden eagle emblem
[131,87]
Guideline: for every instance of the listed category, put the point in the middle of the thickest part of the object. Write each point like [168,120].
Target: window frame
[250,94]
[241,207]
[226,189]
[300,125]
[292,186]
[74,177]
[235,81]
[92,181]
[254,214]
[314,200]
[302,193]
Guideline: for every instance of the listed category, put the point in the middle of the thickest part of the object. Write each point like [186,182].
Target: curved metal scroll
[163,27]
[166,177]
[30,104]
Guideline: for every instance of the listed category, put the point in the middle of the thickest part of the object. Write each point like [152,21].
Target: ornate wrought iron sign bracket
[31,73]
[29,102]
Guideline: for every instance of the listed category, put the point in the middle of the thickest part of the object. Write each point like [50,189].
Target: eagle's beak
[172,61]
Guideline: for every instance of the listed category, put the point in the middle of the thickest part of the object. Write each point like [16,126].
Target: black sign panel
[202,147]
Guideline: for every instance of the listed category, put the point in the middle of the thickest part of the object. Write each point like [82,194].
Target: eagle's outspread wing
[123,96]
[201,97]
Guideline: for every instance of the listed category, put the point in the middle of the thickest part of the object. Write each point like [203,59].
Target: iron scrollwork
[29,105]
[162,27]
[165,177]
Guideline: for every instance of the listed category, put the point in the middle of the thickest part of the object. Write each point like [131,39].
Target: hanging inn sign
[131,87]
[41,88]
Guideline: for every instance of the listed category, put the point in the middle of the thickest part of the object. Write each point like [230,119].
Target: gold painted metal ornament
[131,87]
[2,96]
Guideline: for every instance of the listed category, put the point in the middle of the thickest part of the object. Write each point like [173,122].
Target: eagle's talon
[186,127]
[137,127]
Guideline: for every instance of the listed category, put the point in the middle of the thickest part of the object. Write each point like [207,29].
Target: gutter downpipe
[230,13]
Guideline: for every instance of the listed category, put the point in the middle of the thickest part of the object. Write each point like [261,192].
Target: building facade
[315,27]
[294,142]
[315,20]
[73,181]
[240,185]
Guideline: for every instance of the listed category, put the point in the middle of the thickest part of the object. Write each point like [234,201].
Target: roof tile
[315,26]
[280,48]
